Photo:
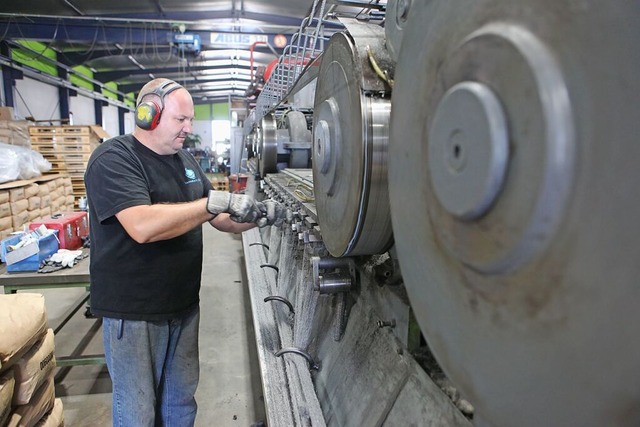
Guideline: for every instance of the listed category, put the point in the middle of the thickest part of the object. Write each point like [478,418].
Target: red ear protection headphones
[148,112]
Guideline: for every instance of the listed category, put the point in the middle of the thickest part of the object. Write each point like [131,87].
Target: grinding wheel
[350,136]
[268,145]
[513,178]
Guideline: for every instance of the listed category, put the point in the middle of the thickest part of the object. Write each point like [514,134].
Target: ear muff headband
[147,114]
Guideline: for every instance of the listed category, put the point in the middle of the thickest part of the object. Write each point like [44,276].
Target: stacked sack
[6,222]
[15,132]
[27,362]
[22,202]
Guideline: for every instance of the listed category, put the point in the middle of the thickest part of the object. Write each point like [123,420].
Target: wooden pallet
[58,165]
[77,184]
[61,139]
[53,147]
[59,130]
[76,165]
[72,157]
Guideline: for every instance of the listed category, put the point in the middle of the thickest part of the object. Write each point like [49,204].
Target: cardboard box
[6,113]
[6,135]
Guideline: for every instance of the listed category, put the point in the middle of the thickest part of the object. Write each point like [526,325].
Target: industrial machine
[464,248]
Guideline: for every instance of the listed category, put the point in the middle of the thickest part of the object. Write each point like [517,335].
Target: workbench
[75,277]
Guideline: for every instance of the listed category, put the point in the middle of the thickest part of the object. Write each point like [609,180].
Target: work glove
[274,213]
[65,257]
[241,207]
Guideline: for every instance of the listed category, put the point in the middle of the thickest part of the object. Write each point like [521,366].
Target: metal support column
[121,112]
[63,96]
[7,76]
[97,105]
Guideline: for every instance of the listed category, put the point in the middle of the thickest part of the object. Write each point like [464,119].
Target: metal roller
[268,145]
[350,135]
[299,145]
[296,123]
[395,21]
[513,181]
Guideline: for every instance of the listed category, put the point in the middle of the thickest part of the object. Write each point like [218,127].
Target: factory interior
[421,213]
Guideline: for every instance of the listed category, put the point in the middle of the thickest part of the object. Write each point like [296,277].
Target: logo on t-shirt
[189,173]
[191,176]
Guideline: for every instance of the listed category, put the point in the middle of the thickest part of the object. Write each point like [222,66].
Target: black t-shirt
[129,280]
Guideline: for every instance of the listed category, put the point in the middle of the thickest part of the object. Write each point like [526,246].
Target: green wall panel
[31,59]
[203,112]
[109,94]
[218,111]
[79,81]
[130,100]
[221,111]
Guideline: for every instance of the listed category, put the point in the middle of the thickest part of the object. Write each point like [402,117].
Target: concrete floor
[230,390]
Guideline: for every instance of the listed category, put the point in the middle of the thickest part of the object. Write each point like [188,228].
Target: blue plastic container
[47,246]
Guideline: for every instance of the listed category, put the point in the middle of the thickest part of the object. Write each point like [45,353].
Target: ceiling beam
[100,34]
[81,57]
[116,75]
[256,23]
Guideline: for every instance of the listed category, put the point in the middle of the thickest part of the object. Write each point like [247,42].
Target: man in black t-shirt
[147,201]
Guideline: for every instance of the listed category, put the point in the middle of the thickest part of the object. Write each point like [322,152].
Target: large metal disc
[513,180]
[268,145]
[396,17]
[350,135]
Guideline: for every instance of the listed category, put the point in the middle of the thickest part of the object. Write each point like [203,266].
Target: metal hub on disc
[349,147]
[268,145]
[513,176]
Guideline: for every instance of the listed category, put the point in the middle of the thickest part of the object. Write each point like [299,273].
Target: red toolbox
[71,226]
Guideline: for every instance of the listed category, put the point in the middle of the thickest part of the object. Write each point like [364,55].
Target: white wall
[129,122]
[203,128]
[37,99]
[110,120]
[84,113]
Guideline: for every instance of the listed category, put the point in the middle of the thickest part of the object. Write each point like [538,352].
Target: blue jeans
[154,368]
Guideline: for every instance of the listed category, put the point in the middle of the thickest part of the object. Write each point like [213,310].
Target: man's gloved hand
[65,257]
[275,213]
[241,207]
